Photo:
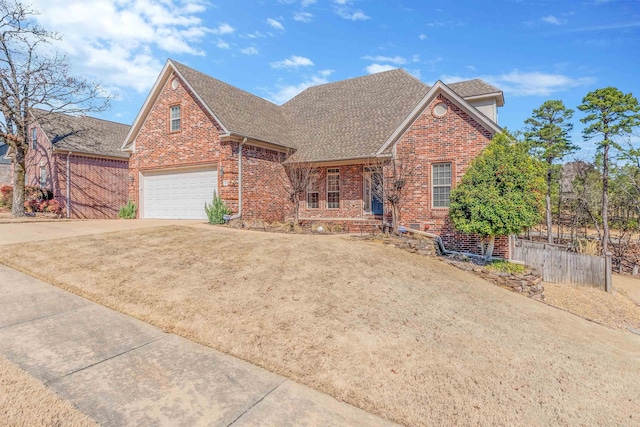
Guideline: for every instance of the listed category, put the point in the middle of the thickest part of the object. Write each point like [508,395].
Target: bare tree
[396,175]
[299,177]
[34,75]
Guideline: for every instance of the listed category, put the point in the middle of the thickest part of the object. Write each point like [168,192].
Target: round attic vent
[440,109]
[174,84]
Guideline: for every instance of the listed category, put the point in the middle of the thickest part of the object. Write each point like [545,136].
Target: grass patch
[25,401]
[507,267]
[400,335]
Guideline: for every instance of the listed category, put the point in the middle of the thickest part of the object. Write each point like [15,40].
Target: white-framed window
[441,184]
[43,176]
[34,138]
[313,192]
[175,118]
[333,188]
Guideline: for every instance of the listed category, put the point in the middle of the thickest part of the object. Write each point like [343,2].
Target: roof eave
[238,137]
[89,154]
[498,96]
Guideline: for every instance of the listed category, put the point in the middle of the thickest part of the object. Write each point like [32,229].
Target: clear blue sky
[532,50]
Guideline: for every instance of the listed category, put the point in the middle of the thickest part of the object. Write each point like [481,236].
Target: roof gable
[238,112]
[436,89]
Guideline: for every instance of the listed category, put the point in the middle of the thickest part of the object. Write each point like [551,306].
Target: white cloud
[454,78]
[293,62]
[415,73]
[251,50]
[117,43]
[422,36]
[379,68]
[302,16]
[345,10]
[285,92]
[398,60]
[540,84]
[305,3]
[519,83]
[222,29]
[254,35]
[275,24]
[550,19]
[356,15]
[221,44]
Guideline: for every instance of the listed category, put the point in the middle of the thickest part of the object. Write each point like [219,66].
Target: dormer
[483,96]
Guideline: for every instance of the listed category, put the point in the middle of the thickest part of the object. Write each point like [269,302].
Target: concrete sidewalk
[121,371]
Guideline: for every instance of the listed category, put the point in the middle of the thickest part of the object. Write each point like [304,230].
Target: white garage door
[178,194]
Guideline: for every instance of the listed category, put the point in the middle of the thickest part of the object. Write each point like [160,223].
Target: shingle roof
[342,120]
[83,134]
[239,111]
[351,118]
[474,87]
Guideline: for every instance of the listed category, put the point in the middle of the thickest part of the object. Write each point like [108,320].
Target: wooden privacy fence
[559,266]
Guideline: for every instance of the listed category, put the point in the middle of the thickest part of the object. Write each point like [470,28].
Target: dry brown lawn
[615,310]
[25,401]
[403,336]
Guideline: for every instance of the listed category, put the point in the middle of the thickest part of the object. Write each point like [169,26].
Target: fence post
[607,272]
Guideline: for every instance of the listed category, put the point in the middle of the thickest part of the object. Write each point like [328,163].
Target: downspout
[239,214]
[68,186]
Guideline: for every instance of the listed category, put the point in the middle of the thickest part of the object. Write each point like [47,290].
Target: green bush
[6,196]
[216,210]
[128,211]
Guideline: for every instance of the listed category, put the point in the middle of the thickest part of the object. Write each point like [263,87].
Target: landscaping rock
[528,282]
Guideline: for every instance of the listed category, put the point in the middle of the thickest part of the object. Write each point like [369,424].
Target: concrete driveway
[20,232]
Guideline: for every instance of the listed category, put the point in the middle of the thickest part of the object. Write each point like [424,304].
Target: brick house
[78,159]
[195,135]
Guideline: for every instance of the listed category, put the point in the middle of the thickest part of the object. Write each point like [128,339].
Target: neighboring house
[186,140]
[78,159]
[6,170]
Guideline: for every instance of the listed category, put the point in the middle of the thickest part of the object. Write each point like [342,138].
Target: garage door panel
[178,194]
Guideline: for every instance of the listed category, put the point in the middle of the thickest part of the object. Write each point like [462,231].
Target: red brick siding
[197,143]
[6,174]
[42,155]
[263,190]
[99,187]
[350,195]
[455,138]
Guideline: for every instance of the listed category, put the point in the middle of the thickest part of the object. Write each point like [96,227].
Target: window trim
[34,138]
[313,188]
[331,173]
[43,174]
[179,118]
[434,186]
[368,174]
